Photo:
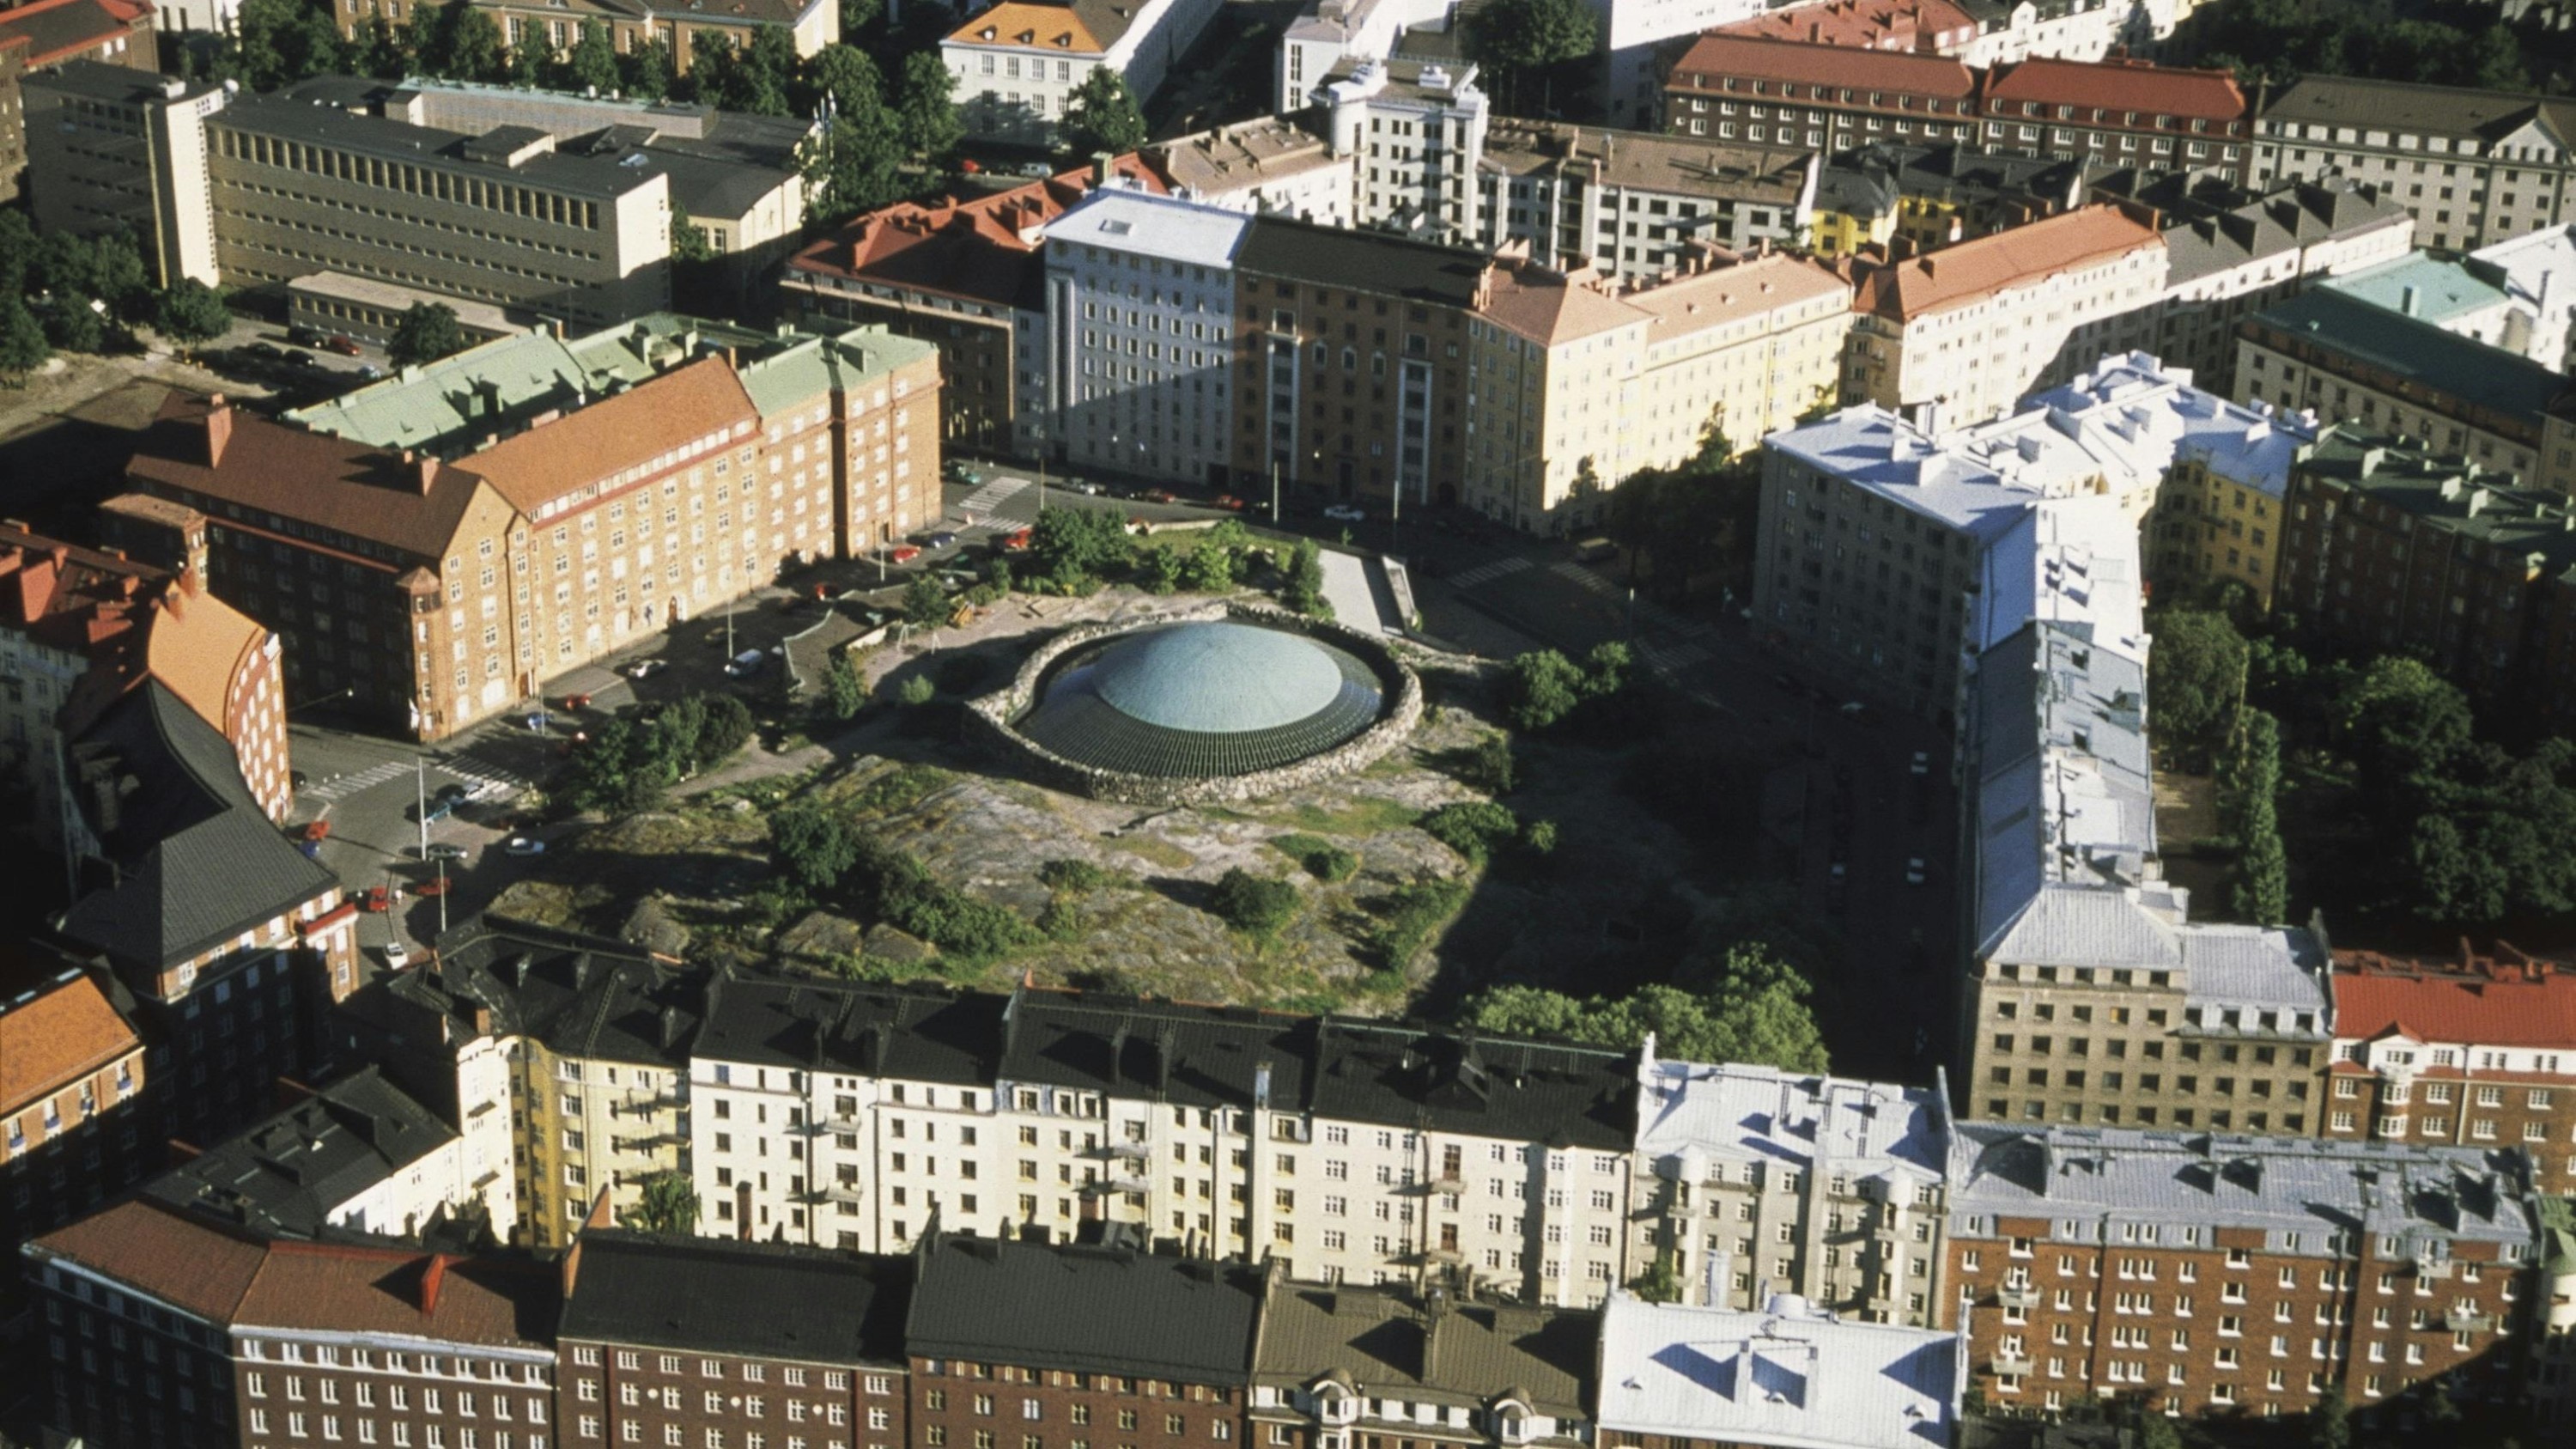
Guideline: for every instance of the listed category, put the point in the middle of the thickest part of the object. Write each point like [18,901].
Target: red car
[1017,539]
[1159,495]
[576,701]
[905,552]
[434,886]
[376,901]
[340,345]
[1229,502]
[317,830]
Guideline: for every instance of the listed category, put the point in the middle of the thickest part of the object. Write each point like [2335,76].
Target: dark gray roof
[286,1176]
[2399,106]
[2448,493]
[918,1035]
[1193,1056]
[122,84]
[1394,1344]
[323,124]
[1410,1076]
[1360,261]
[196,862]
[755,1300]
[2202,237]
[1084,1309]
[2393,347]
[575,993]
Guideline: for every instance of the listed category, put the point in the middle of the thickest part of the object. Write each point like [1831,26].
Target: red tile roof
[2119,86]
[1933,27]
[1718,54]
[977,251]
[157,1250]
[1955,276]
[658,416]
[2508,1000]
[61,1031]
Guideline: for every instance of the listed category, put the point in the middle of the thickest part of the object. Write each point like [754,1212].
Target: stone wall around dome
[995,712]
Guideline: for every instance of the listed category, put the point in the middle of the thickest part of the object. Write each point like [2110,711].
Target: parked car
[370,371]
[1159,495]
[576,701]
[376,901]
[265,352]
[446,850]
[1017,540]
[1229,502]
[904,553]
[1344,513]
[745,664]
[964,472]
[524,845]
[397,955]
[450,793]
[1036,168]
[1922,762]
[1087,490]
[317,830]
[436,885]
[646,668]
[341,345]
[942,539]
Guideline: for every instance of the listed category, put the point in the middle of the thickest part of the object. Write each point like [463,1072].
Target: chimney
[428,470]
[432,1279]
[2406,300]
[1103,167]
[571,1267]
[219,429]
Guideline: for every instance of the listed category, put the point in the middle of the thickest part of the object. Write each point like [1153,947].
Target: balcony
[1133,1151]
[2009,1365]
[1115,1183]
[2019,1297]
[1443,1257]
[2468,1320]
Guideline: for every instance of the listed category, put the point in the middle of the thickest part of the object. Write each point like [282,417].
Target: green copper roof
[1203,699]
[419,407]
[2418,285]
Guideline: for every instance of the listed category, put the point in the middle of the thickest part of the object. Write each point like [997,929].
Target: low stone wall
[992,715]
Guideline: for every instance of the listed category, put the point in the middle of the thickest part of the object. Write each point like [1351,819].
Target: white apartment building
[1018,63]
[1352,1151]
[1414,131]
[358,1154]
[2538,274]
[1329,33]
[2223,267]
[1269,166]
[1633,31]
[2475,167]
[1636,203]
[1140,302]
[1957,336]
[1753,1182]
[1584,383]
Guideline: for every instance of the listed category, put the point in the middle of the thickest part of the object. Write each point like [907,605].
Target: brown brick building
[2478,1051]
[733,1344]
[2394,549]
[1027,1345]
[2232,1275]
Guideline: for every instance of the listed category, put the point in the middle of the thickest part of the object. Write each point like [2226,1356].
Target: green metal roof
[1203,699]
[2417,353]
[421,406]
[2417,285]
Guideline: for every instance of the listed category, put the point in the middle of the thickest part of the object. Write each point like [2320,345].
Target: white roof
[2256,969]
[1692,1113]
[1791,1377]
[1144,224]
[2140,417]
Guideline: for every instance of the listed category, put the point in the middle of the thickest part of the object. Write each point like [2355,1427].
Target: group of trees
[1753,1009]
[1543,689]
[628,763]
[2276,41]
[1691,521]
[1517,41]
[831,857]
[73,293]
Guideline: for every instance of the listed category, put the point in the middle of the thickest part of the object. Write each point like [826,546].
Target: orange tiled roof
[1549,307]
[658,416]
[975,250]
[1719,54]
[134,621]
[1955,276]
[1046,27]
[1921,25]
[2520,1001]
[2119,86]
[181,1261]
[61,1031]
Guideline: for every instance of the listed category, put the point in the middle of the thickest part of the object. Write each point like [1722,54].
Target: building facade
[677,25]
[69,1131]
[1414,131]
[2475,167]
[45,35]
[1636,204]
[2236,1275]
[1018,64]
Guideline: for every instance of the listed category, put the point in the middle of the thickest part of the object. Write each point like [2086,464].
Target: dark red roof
[2510,1000]
[979,251]
[2119,86]
[1837,66]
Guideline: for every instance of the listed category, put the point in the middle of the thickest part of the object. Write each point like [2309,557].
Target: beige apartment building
[1582,382]
[1959,335]
[2475,167]
[678,24]
[438,544]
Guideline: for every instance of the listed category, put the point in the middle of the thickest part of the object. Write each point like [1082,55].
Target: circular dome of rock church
[1202,699]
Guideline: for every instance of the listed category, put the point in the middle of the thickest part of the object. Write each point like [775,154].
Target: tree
[2155,1431]
[858,15]
[191,311]
[2330,1422]
[1210,568]
[73,324]
[925,603]
[851,166]
[470,44]
[22,341]
[847,77]
[2262,889]
[812,844]
[592,63]
[688,239]
[668,1203]
[426,333]
[1541,688]
[1253,904]
[532,61]
[2195,675]
[379,51]
[1066,542]
[1512,37]
[1753,1011]
[845,690]
[928,111]
[278,41]
[1302,587]
[648,72]
[755,78]
[1101,116]
[424,38]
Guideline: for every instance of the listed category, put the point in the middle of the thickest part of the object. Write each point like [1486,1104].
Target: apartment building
[230,945]
[1958,336]
[1585,382]
[355,1154]
[1350,352]
[2394,548]
[2348,361]
[1910,197]
[966,278]
[1271,165]
[1350,1151]
[2213,476]
[1754,1182]
[82,628]
[514,484]
[2160,120]
[1786,1376]
[2537,273]
[2224,263]
[1017,64]
[1055,1338]
[1979,32]
[137,1297]
[1635,204]
[1331,1360]
[1140,308]
[680,25]
[69,1133]
[1329,33]
[1415,132]
[44,35]
[2250,1276]
[2475,167]
[691,1341]
[2474,1051]
[2445,291]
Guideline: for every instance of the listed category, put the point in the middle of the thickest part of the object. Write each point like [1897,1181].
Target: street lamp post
[420,787]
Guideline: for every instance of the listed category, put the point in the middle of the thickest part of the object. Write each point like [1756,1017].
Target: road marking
[343,786]
[984,500]
[1486,573]
[1578,574]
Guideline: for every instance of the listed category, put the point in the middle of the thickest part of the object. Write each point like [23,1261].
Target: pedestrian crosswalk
[341,787]
[1486,573]
[981,503]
